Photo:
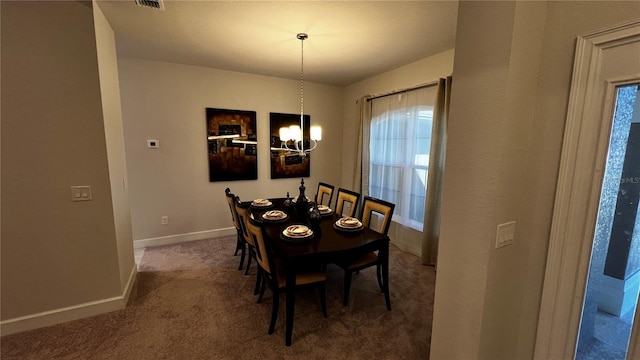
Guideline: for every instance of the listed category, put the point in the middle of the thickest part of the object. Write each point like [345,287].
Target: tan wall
[55,253]
[512,72]
[114,135]
[167,102]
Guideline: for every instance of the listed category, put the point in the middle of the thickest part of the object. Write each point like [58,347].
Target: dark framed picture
[232,144]
[284,163]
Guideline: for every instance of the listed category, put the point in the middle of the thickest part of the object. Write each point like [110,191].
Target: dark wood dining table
[328,245]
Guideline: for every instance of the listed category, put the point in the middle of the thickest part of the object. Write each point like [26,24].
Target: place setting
[296,233]
[274,216]
[261,204]
[348,224]
[324,210]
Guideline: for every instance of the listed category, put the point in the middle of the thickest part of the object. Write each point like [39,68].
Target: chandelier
[295,133]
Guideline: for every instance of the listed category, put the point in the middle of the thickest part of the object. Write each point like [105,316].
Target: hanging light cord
[302,37]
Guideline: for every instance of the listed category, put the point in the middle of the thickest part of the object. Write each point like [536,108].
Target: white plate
[261,202]
[297,232]
[324,209]
[274,215]
[348,223]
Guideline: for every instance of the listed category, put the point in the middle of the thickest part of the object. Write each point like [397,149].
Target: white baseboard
[80,311]
[126,292]
[407,247]
[75,312]
[180,238]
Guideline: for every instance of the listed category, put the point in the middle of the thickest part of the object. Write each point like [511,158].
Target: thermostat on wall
[153,144]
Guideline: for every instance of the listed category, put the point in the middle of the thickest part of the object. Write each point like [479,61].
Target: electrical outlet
[505,234]
[165,220]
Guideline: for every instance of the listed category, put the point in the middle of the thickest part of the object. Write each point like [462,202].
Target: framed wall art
[232,144]
[288,164]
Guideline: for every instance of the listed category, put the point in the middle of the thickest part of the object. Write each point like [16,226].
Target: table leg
[383,254]
[291,302]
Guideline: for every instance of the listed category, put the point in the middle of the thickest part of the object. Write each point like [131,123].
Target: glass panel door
[614,274]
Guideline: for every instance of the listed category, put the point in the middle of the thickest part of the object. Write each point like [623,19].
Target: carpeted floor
[190,302]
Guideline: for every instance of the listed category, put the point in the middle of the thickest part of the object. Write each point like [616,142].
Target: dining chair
[325,191]
[371,208]
[242,209]
[273,275]
[347,197]
[240,242]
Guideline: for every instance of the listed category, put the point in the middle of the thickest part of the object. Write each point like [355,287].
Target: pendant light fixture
[295,133]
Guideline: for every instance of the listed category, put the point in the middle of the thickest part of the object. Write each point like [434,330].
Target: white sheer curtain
[400,138]
[399,144]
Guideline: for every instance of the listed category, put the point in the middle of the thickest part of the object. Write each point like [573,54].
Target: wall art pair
[233,142]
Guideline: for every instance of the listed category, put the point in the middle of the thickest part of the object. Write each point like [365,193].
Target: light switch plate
[505,234]
[153,144]
[81,193]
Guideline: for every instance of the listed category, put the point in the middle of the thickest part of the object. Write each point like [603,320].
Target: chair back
[383,208]
[262,252]
[242,210]
[231,200]
[325,192]
[349,197]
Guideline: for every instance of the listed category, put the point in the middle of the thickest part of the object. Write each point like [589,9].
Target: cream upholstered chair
[325,191]
[240,244]
[242,209]
[273,275]
[371,207]
[347,197]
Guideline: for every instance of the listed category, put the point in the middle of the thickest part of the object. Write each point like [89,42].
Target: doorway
[614,273]
[606,61]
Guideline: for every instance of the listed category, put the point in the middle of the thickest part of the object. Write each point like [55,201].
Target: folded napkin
[324,209]
[274,214]
[261,202]
[297,230]
[349,222]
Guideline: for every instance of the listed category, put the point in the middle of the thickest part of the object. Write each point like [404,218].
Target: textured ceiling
[348,41]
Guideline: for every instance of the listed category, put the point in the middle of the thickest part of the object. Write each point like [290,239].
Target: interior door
[614,272]
[605,60]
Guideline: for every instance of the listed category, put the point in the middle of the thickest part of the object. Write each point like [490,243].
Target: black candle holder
[302,202]
[314,216]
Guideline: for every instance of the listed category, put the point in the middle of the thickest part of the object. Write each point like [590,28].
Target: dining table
[329,244]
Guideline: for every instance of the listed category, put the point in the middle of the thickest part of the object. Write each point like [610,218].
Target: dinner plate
[297,232]
[261,203]
[348,224]
[324,210]
[274,215]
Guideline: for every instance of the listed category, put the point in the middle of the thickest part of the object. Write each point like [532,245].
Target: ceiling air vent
[154,4]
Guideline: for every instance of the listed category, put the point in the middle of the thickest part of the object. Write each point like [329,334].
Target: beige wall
[167,102]
[512,72]
[420,72]
[114,135]
[55,253]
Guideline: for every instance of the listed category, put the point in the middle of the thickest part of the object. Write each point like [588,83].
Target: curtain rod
[433,83]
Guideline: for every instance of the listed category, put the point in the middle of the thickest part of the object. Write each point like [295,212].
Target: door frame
[581,172]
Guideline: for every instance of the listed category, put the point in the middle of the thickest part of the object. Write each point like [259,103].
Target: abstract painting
[288,164]
[232,144]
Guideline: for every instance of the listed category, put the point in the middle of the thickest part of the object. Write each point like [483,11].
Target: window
[399,143]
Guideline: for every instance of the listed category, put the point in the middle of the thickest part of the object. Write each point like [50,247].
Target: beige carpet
[190,302]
